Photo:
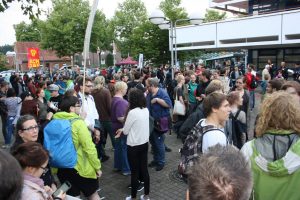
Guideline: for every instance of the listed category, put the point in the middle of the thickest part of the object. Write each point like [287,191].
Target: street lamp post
[157,17]
[195,19]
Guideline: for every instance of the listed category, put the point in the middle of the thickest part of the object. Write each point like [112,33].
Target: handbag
[179,108]
[161,124]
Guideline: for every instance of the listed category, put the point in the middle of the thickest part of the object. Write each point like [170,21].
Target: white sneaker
[128,198]
[142,197]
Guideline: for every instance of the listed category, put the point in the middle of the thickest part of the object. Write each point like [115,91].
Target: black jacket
[190,122]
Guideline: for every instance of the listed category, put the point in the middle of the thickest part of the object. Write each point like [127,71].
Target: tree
[172,10]
[64,31]
[6,48]
[127,23]
[109,60]
[29,7]
[27,32]
[213,15]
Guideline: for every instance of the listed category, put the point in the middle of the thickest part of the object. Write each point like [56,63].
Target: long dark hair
[136,99]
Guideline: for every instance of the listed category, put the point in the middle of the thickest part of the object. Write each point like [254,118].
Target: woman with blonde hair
[119,107]
[275,154]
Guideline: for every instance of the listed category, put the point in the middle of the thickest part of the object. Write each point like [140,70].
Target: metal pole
[172,49]
[114,53]
[175,44]
[88,37]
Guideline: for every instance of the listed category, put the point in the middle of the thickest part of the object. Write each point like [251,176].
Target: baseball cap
[53,87]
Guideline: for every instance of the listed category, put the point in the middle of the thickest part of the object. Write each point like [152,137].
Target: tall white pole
[172,49]
[175,43]
[87,38]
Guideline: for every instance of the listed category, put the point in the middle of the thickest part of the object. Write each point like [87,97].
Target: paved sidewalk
[163,184]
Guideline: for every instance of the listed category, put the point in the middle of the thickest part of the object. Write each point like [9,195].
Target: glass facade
[259,57]
[265,6]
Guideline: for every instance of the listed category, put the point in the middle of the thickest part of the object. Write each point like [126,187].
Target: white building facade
[269,31]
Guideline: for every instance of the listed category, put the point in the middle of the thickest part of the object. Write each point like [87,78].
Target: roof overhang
[234,6]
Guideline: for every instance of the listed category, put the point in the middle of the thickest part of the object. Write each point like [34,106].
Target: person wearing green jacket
[275,154]
[84,176]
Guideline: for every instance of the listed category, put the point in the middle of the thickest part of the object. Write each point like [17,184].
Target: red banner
[33,57]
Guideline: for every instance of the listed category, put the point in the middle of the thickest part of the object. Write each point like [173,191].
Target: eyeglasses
[239,83]
[89,86]
[31,128]
[45,169]
[77,105]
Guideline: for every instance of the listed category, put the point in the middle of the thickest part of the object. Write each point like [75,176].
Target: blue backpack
[58,141]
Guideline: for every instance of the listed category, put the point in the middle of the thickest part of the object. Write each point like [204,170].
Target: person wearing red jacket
[249,76]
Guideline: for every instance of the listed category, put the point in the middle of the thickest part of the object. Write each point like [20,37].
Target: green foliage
[6,48]
[172,10]
[213,15]
[65,28]
[2,61]
[109,60]
[28,32]
[101,36]
[127,24]
[29,7]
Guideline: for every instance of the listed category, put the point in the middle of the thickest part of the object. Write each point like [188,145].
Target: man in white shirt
[216,109]
[88,107]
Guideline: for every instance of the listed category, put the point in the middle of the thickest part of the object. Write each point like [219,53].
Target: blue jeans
[252,99]
[120,155]
[9,129]
[108,131]
[157,140]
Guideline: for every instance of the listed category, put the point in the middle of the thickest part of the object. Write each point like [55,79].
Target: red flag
[33,57]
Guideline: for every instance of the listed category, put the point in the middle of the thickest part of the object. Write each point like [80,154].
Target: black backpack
[237,129]
[192,147]
[253,83]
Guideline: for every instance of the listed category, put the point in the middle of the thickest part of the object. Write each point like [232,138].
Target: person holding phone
[84,176]
[33,159]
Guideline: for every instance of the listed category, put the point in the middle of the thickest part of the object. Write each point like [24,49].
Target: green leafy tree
[172,10]
[29,7]
[6,48]
[109,60]
[2,61]
[64,31]
[213,15]
[28,32]
[127,24]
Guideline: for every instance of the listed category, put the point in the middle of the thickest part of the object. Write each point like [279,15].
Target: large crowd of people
[134,108]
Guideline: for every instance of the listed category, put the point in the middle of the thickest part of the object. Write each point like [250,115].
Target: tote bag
[179,108]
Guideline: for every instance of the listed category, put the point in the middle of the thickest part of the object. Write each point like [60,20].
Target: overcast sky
[13,15]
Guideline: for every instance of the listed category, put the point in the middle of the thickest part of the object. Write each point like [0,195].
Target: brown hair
[233,97]
[276,83]
[220,174]
[31,154]
[11,183]
[213,86]
[38,91]
[280,111]
[293,84]
[213,100]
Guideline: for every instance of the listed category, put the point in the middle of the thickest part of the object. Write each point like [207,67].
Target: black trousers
[3,119]
[138,161]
